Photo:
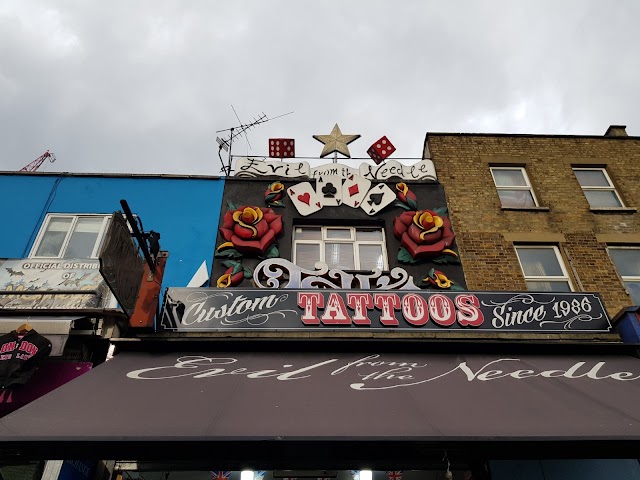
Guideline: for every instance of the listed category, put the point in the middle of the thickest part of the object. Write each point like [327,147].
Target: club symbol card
[377,198]
[329,189]
[354,190]
[304,198]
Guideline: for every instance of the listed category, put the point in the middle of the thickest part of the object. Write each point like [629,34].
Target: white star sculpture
[336,142]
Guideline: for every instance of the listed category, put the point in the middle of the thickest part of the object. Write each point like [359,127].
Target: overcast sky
[143,86]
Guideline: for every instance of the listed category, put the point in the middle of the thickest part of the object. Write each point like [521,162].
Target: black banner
[210,309]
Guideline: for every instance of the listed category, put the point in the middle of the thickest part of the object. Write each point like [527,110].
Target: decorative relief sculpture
[259,167]
[251,230]
[336,142]
[281,273]
[437,279]
[273,195]
[406,198]
[424,234]
[234,274]
[248,230]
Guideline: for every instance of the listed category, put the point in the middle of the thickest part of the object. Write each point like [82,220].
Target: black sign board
[210,309]
[120,263]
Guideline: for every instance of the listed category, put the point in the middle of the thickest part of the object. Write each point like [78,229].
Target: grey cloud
[143,86]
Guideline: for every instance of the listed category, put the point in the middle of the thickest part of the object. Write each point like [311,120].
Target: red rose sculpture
[273,195]
[424,233]
[251,230]
[406,197]
[230,278]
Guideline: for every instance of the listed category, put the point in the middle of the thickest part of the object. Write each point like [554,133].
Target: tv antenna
[226,142]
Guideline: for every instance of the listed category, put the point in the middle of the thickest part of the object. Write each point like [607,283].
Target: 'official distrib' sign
[204,309]
[70,283]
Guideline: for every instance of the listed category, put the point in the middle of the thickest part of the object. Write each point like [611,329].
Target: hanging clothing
[20,356]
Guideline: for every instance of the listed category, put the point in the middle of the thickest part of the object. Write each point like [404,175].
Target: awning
[326,408]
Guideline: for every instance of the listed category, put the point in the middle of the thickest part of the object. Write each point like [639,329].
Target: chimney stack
[616,131]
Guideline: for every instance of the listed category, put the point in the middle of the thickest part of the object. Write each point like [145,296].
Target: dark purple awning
[321,397]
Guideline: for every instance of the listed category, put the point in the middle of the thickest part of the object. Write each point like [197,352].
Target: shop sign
[121,264]
[208,309]
[257,167]
[50,284]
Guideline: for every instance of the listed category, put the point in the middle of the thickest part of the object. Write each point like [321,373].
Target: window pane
[516,198]
[369,234]
[539,262]
[339,255]
[592,178]
[103,237]
[627,261]
[307,233]
[83,239]
[602,198]
[509,178]
[307,255]
[549,286]
[634,291]
[339,233]
[371,257]
[53,238]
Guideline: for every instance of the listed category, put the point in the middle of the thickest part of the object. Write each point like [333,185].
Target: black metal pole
[136,233]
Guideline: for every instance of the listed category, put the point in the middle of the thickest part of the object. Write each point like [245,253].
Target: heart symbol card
[304,198]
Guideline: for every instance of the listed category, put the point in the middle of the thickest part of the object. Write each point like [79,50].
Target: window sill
[526,209]
[625,210]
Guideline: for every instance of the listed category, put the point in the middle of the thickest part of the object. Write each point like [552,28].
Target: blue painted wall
[184,210]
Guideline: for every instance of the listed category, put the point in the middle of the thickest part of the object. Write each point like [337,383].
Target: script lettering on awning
[376,372]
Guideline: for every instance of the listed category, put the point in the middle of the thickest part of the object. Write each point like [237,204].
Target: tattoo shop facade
[337,335]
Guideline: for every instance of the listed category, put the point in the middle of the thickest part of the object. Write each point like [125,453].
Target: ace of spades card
[329,189]
[377,198]
[304,198]
[354,190]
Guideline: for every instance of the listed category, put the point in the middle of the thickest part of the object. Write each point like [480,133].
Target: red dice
[380,150]
[282,147]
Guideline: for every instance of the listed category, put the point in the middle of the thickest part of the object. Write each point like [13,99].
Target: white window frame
[546,278]
[625,278]
[74,220]
[610,188]
[351,241]
[527,188]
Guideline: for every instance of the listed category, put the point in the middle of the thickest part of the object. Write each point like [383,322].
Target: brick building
[545,212]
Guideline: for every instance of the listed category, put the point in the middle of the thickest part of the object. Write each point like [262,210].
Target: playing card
[377,198]
[354,190]
[329,189]
[304,198]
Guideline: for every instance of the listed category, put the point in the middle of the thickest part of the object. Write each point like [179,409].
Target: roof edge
[528,135]
[113,175]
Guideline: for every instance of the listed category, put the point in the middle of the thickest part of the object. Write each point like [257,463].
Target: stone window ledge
[525,209]
[624,210]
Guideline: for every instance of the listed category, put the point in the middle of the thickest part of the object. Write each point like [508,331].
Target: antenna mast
[227,142]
